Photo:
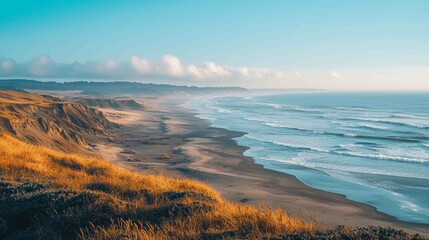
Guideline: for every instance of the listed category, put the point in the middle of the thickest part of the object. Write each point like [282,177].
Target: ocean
[371,147]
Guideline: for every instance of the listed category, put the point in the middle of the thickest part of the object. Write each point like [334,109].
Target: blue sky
[365,44]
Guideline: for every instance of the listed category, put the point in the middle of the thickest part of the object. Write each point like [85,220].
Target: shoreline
[173,141]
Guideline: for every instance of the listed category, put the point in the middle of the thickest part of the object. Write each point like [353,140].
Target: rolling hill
[112,103]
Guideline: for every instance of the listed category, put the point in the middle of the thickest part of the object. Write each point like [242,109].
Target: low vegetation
[47,194]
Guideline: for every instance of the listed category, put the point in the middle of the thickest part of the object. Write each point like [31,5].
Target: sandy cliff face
[111,103]
[49,122]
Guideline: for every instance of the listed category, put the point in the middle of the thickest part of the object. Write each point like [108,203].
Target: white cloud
[243,71]
[374,76]
[170,69]
[194,71]
[208,70]
[212,69]
[172,66]
[255,73]
[42,66]
[298,75]
[141,65]
[7,65]
[106,66]
[336,75]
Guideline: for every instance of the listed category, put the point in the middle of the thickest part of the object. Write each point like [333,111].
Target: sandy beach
[170,139]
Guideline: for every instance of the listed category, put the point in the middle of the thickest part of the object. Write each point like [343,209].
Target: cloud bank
[336,75]
[169,66]
[170,69]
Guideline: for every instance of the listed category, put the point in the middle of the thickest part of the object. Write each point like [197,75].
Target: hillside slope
[47,121]
[111,103]
[46,194]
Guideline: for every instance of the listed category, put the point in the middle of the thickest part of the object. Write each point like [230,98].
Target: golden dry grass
[46,194]
[20,160]
[142,206]
[14,97]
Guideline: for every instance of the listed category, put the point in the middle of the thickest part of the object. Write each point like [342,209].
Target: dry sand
[171,140]
[121,117]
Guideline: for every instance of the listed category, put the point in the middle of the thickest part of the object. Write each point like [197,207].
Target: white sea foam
[341,169]
[406,203]
[349,134]
[277,125]
[380,120]
[403,115]
[371,126]
[255,119]
[383,157]
[346,153]
[277,106]
[289,145]
[220,110]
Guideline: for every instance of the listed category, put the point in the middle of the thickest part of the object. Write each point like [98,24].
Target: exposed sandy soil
[122,117]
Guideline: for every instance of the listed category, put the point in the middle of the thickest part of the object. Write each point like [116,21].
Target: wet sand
[171,140]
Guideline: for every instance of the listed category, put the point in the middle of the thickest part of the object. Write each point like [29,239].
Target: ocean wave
[255,119]
[288,145]
[274,124]
[377,120]
[354,108]
[341,152]
[368,126]
[382,157]
[219,110]
[289,108]
[341,170]
[293,146]
[371,126]
[406,203]
[303,110]
[273,105]
[349,135]
[277,125]
[371,144]
[405,116]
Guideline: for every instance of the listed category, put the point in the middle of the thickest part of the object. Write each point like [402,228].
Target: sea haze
[371,147]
